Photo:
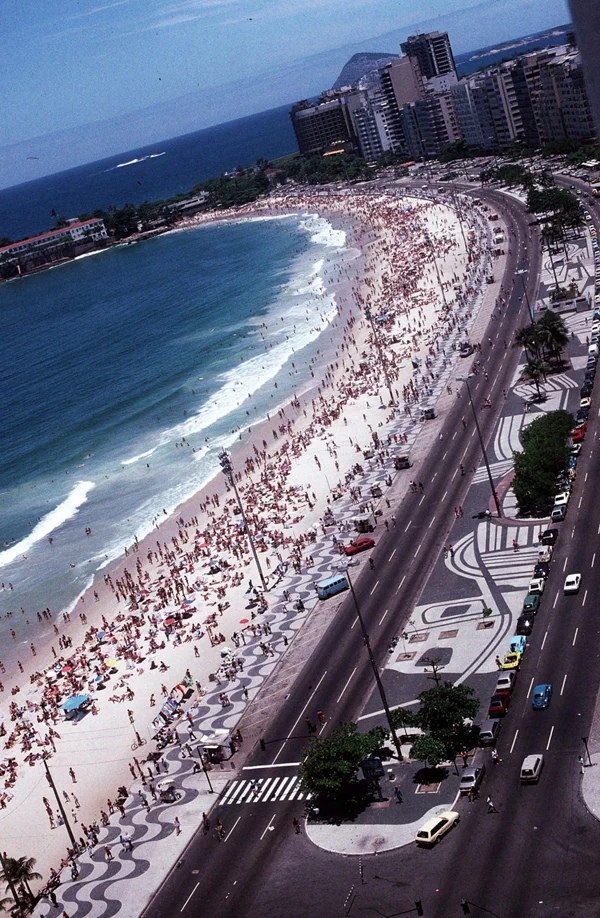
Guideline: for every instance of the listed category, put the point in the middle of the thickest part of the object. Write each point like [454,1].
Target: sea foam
[48,523]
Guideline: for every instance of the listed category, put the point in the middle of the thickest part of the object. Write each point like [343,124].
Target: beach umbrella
[67,669]
[111,663]
[74,702]
[187,602]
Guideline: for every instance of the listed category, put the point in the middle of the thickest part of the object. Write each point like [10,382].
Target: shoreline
[347,335]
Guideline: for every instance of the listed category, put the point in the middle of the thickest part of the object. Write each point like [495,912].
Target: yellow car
[511,660]
[432,830]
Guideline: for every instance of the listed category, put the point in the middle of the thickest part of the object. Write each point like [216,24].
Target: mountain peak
[360,64]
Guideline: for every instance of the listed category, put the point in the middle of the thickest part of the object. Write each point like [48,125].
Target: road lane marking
[454,435]
[279,765]
[574,637]
[550,738]
[434,477]
[315,690]
[444,456]
[544,641]
[374,588]
[232,828]
[383,616]
[444,498]
[562,688]
[432,522]
[421,501]
[401,582]
[513,742]
[530,686]
[355,622]
[407,525]
[593,559]
[555,600]
[392,554]
[266,830]
[189,897]
[584,598]
[417,551]
[347,683]
[565,564]
[579,504]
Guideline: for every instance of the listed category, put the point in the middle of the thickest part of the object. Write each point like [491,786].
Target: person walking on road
[495,757]
[490,806]
[296,825]
[581,765]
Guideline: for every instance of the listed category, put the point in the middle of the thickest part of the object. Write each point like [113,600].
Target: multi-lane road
[537,855]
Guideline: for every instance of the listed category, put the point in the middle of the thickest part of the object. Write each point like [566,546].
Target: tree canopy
[331,764]
[544,456]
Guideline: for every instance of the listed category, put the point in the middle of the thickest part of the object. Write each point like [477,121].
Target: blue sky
[67,63]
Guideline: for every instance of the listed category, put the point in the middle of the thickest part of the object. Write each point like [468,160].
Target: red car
[360,544]
[579,435]
[498,705]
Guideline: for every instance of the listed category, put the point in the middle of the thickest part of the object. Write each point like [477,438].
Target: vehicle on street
[505,683]
[332,585]
[531,768]
[531,603]
[545,553]
[357,545]
[489,732]
[583,414]
[559,513]
[549,537]
[511,660]
[575,449]
[562,499]
[471,778]
[536,585]
[518,644]
[432,830]
[525,623]
[578,436]
[402,462]
[499,705]
[585,402]
[572,583]
[541,696]
[542,569]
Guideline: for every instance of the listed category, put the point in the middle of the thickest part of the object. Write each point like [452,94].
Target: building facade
[76,233]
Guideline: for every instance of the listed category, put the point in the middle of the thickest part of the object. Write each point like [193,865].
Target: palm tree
[528,338]
[552,332]
[534,371]
[20,870]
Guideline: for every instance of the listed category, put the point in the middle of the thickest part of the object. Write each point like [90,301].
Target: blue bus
[336,584]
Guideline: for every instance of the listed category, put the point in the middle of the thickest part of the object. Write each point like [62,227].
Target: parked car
[531,768]
[559,513]
[525,623]
[357,545]
[531,603]
[562,499]
[578,436]
[542,569]
[549,537]
[541,696]
[505,683]
[499,705]
[489,732]
[536,585]
[512,660]
[518,644]
[471,778]
[572,583]
[432,830]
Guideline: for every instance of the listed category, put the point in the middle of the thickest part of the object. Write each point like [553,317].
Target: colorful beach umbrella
[74,702]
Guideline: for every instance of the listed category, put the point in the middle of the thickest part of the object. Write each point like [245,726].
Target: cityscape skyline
[89,113]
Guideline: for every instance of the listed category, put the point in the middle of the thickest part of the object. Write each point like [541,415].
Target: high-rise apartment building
[432,53]
[322,125]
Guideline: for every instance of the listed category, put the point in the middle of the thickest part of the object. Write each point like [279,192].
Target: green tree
[543,457]
[429,751]
[535,372]
[443,711]
[552,332]
[21,871]
[528,338]
[331,764]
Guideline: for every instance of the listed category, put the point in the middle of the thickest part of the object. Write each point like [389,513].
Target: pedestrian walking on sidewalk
[177,826]
[581,765]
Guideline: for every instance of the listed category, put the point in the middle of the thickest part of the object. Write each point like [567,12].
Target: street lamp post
[382,694]
[382,362]
[227,466]
[59,803]
[521,274]
[465,379]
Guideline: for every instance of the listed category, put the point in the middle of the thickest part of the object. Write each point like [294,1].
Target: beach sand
[287,469]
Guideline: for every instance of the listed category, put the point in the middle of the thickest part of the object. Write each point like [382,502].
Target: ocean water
[151,173]
[125,372]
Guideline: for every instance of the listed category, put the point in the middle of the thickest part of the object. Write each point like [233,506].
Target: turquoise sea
[124,373]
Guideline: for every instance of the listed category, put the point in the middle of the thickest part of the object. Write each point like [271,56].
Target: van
[366,523]
[333,585]
[531,768]
[489,732]
[402,462]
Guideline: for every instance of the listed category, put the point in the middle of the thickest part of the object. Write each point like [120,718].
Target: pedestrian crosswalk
[264,790]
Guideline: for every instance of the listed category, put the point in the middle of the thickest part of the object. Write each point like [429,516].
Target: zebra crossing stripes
[264,790]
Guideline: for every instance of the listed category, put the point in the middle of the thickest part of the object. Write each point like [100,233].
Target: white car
[562,499]
[536,585]
[572,583]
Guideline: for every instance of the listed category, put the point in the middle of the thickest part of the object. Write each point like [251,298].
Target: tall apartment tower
[432,52]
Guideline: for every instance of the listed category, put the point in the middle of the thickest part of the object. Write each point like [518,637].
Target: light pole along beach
[227,466]
[466,379]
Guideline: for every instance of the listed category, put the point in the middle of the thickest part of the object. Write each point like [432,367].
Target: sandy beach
[186,600]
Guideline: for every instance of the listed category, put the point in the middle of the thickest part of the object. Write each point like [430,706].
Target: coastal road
[261,866]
